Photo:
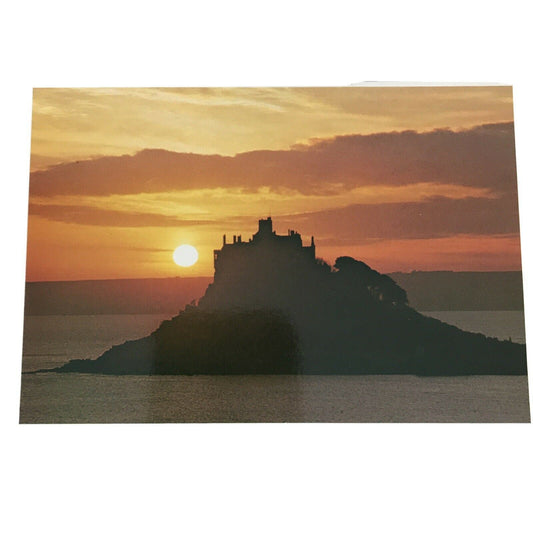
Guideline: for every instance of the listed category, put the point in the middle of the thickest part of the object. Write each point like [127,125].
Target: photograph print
[331,254]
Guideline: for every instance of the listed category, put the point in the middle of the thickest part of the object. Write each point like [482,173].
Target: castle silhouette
[264,246]
[274,271]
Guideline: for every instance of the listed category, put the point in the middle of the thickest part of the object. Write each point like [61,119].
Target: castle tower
[265,226]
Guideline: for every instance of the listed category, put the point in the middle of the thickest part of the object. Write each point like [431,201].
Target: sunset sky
[401,178]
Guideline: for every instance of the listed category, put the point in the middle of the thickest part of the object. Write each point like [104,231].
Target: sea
[50,341]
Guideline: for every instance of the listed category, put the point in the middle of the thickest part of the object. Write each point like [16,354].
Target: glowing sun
[185,255]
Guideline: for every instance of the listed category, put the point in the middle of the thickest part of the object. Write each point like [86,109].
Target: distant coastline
[427,290]
[462,291]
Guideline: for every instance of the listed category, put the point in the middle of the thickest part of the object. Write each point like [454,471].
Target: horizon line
[415,271]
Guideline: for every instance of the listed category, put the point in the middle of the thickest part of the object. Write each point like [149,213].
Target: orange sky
[401,178]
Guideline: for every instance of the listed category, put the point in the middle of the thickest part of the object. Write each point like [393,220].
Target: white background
[428,478]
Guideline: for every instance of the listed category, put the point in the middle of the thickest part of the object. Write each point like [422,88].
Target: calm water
[68,398]
[51,341]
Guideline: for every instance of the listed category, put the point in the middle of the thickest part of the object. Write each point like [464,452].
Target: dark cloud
[354,224]
[436,217]
[93,216]
[483,156]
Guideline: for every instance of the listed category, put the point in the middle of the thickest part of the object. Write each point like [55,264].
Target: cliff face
[299,315]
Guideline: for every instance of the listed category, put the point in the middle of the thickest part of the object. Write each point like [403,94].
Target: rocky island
[275,308]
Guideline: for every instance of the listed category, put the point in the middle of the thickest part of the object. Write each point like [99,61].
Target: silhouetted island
[274,308]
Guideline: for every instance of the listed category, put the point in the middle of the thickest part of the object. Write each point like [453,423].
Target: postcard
[299,254]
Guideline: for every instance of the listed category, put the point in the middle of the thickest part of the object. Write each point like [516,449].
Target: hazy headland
[427,291]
